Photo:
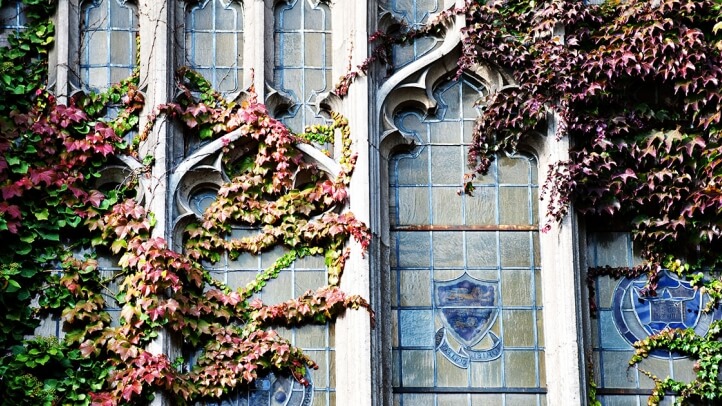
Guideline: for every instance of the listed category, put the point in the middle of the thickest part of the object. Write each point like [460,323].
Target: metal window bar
[108,45]
[214,43]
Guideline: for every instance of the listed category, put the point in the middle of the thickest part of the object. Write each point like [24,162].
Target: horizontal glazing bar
[540,391]
[479,227]
[624,391]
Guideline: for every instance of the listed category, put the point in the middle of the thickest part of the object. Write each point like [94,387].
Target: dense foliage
[637,88]
[635,85]
[60,219]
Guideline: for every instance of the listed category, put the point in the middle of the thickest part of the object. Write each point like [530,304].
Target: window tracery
[413,15]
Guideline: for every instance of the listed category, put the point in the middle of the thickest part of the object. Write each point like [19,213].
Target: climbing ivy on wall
[635,85]
[59,218]
[637,88]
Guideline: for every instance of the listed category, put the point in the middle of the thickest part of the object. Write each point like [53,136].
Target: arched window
[465,274]
[302,63]
[108,42]
[196,191]
[214,43]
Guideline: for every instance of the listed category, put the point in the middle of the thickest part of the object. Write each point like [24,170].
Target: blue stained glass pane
[417,328]
[108,42]
[611,339]
[676,304]
[214,43]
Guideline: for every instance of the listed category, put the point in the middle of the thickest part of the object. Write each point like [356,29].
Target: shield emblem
[677,305]
[468,307]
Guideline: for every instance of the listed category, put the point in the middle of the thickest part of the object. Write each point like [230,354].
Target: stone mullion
[353,346]
[156,74]
[257,44]
[62,64]
[561,287]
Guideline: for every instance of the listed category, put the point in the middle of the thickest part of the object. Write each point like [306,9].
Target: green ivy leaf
[42,214]
[13,286]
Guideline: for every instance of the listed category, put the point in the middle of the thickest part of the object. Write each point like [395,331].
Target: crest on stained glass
[468,309]
[273,390]
[676,305]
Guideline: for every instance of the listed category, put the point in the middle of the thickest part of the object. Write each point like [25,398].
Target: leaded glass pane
[108,42]
[466,298]
[414,14]
[12,20]
[214,43]
[302,64]
[624,316]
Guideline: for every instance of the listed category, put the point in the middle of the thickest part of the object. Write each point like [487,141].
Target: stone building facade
[475,306]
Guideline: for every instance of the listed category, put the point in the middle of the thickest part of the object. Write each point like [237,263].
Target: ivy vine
[634,84]
[637,88]
[59,221]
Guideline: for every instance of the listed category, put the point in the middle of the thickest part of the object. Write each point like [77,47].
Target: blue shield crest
[467,306]
[677,305]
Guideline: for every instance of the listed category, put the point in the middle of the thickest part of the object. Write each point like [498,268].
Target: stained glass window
[317,341]
[214,43]
[624,315]
[414,14]
[302,65]
[466,292]
[12,19]
[108,42]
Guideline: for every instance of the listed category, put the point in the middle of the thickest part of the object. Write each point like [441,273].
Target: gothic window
[302,63]
[108,42]
[413,14]
[197,189]
[214,43]
[465,274]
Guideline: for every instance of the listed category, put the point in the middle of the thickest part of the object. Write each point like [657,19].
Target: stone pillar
[353,330]
[258,42]
[59,62]
[560,289]
[156,74]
